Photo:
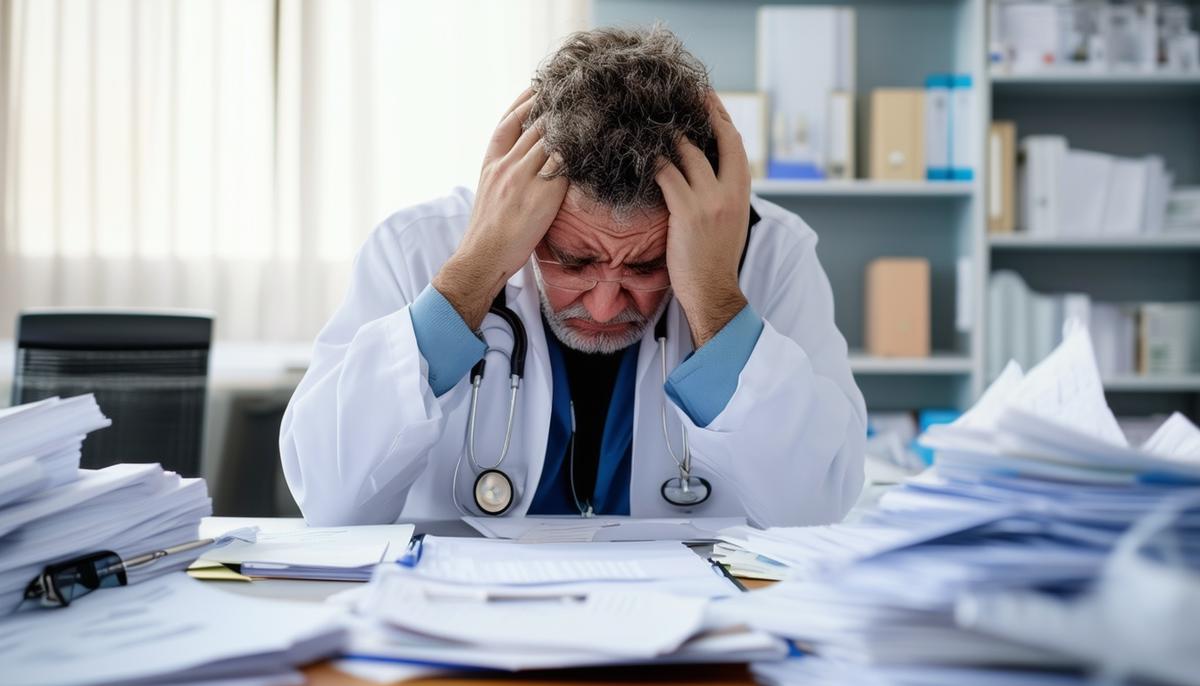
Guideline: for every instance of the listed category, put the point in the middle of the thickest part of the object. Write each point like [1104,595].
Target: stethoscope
[494,491]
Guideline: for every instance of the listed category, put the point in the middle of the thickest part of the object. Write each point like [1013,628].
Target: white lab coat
[364,440]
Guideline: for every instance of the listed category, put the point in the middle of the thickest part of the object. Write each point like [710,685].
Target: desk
[323,674]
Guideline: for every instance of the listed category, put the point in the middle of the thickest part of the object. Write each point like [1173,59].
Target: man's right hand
[514,206]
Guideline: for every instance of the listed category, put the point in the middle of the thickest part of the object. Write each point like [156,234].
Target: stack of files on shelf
[1031,490]
[1078,193]
[1169,338]
[171,629]
[504,605]
[129,509]
[812,109]
[321,553]
[1092,37]
[1025,326]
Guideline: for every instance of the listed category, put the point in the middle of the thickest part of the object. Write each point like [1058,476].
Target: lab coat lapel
[533,409]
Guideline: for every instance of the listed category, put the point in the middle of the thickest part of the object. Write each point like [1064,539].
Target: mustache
[577,311]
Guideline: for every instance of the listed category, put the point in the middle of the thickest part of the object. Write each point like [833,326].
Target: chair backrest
[149,371]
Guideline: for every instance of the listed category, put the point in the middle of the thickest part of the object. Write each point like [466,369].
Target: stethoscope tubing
[516,361]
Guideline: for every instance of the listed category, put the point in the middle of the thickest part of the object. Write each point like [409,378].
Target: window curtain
[231,155]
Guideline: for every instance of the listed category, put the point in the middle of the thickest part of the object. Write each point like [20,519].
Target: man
[613,218]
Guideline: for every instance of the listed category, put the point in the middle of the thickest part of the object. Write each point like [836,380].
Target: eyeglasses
[584,278]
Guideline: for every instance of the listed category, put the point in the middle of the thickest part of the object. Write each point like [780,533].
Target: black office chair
[149,372]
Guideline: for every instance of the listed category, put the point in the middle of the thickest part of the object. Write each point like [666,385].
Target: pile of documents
[293,551]
[52,511]
[171,629]
[40,444]
[495,604]
[1031,491]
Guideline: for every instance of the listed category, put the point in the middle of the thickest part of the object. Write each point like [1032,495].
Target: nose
[605,301]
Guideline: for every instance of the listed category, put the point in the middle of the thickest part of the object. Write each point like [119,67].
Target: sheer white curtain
[232,154]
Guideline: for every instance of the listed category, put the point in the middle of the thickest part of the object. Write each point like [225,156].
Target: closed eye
[648,267]
[567,260]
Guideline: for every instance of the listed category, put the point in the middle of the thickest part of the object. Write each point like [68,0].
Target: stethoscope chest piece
[494,492]
[686,492]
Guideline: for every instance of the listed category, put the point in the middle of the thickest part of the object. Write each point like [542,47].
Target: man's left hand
[709,216]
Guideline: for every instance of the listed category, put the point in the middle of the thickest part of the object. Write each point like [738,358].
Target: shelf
[1184,383]
[938,364]
[1167,242]
[863,188]
[1075,83]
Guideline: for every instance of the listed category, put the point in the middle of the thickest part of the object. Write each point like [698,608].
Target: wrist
[470,285]
[711,309]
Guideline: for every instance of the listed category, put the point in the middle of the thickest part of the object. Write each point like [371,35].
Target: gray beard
[600,342]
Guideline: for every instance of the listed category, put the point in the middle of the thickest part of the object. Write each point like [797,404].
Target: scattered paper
[171,628]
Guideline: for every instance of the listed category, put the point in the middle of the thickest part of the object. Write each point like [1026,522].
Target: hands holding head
[710,212]
[514,205]
[516,202]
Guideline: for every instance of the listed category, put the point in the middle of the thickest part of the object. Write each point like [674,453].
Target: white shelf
[1072,83]
[1186,383]
[937,364]
[863,188]
[1166,241]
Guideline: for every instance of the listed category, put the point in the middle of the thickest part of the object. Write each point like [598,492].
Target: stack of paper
[323,553]
[52,511]
[40,444]
[129,509]
[504,605]
[167,630]
[1030,490]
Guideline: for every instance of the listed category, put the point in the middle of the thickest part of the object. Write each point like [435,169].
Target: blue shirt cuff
[448,345]
[703,384]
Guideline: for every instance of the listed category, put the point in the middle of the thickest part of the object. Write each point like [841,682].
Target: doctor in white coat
[592,222]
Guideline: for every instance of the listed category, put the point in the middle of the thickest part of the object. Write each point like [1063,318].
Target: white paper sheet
[487,561]
[333,547]
[172,625]
[609,620]
[578,529]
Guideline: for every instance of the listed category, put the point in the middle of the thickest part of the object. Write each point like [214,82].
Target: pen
[154,556]
[58,584]
[412,555]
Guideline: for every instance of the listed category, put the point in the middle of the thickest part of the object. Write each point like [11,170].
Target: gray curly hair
[613,103]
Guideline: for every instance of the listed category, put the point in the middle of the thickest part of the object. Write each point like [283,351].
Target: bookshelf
[898,43]
[1128,114]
